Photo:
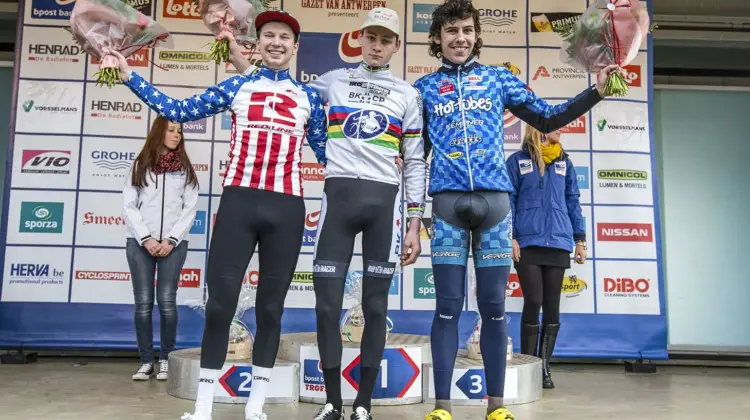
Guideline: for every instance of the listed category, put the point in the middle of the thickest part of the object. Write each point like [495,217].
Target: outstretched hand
[601,78]
[122,65]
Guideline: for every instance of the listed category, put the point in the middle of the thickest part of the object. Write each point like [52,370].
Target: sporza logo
[52,9]
[40,217]
[422,17]
[365,124]
[462,104]
[424,284]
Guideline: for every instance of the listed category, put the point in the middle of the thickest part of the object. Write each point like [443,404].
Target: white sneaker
[256,416]
[163,370]
[188,416]
[144,373]
[361,414]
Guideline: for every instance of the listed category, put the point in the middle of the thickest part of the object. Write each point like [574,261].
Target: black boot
[529,339]
[549,336]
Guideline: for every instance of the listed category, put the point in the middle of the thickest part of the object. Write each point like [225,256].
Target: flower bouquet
[609,32]
[233,16]
[353,321]
[102,27]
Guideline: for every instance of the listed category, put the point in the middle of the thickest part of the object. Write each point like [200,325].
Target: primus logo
[469,104]
[623,174]
[185,56]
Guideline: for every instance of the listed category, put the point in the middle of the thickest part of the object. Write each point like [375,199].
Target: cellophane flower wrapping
[610,32]
[103,26]
[234,16]
[353,320]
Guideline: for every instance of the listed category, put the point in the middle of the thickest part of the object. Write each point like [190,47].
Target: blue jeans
[142,266]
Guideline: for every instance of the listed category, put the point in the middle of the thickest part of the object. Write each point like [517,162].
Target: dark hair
[258,30]
[451,11]
[152,149]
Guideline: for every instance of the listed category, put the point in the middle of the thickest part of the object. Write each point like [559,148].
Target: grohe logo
[311,228]
[112,160]
[40,217]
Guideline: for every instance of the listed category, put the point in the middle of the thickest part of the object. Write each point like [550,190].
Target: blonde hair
[532,139]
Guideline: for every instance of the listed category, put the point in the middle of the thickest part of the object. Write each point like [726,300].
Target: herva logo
[633,75]
[52,9]
[576,127]
[513,288]
[137,59]
[582,176]
[190,278]
[311,228]
[37,273]
[333,51]
[199,223]
[625,232]
[422,17]
[180,9]
[627,287]
[45,161]
[313,375]
[312,171]
[424,283]
[41,217]
[622,174]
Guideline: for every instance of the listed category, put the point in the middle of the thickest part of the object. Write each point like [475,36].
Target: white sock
[258,390]
[206,388]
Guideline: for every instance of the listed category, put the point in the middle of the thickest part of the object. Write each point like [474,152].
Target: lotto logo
[633,75]
[463,104]
[181,9]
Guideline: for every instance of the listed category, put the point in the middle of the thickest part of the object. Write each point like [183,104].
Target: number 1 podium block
[234,382]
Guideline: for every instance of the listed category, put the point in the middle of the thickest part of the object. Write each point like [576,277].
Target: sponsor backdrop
[66,281]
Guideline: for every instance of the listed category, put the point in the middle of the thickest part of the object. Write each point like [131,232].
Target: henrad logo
[137,59]
[627,287]
[332,51]
[91,218]
[463,104]
[422,17]
[633,75]
[223,167]
[623,178]
[112,161]
[625,232]
[45,161]
[513,289]
[194,127]
[582,176]
[199,223]
[54,53]
[576,127]
[181,9]
[116,110]
[553,22]
[313,376]
[424,283]
[52,9]
[573,286]
[560,73]
[40,217]
[602,124]
[311,228]
[29,273]
[102,275]
[312,171]
[190,278]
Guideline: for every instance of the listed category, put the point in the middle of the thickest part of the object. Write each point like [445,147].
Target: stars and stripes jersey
[463,111]
[372,117]
[272,115]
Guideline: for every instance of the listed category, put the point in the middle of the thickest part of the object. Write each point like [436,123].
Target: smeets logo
[313,376]
[312,171]
[137,59]
[90,218]
[633,75]
[625,232]
[513,289]
[54,53]
[576,127]
[190,278]
[181,9]
[624,286]
[573,286]
[45,161]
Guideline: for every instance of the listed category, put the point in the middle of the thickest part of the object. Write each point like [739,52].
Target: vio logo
[349,49]
[365,124]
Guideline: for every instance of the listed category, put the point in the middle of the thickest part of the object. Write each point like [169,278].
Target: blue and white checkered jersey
[463,112]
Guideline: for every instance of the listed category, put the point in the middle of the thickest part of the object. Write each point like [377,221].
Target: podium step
[234,381]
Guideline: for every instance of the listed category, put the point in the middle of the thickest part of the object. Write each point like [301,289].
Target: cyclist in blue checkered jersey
[463,104]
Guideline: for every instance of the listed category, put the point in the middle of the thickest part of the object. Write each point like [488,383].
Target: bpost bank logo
[313,376]
[195,127]
[582,176]
[625,232]
[311,228]
[422,17]
[512,128]
[332,51]
[38,217]
[41,274]
[52,9]
[424,283]
[54,53]
[573,286]
[199,223]
[45,161]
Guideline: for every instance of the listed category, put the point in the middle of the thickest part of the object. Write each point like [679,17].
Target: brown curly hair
[451,11]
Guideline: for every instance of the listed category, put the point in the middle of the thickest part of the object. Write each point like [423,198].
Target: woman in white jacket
[159,199]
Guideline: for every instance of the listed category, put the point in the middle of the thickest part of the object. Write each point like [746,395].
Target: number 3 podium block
[235,379]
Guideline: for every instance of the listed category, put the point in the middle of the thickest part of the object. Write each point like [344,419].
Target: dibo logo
[311,63]
[52,9]
[422,18]
[424,284]
[582,175]
[37,217]
[199,224]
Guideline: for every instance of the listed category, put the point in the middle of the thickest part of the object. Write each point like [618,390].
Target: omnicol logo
[312,171]
[52,9]
[180,9]
[627,287]
[573,286]
[137,59]
[624,232]
[622,174]
[185,56]
[45,161]
[39,217]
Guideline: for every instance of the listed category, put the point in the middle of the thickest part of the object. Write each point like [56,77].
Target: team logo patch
[561,168]
[365,124]
[446,89]
[525,166]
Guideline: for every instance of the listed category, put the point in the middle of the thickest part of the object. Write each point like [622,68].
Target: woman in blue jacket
[547,220]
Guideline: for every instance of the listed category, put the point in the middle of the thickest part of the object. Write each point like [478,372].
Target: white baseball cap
[383,17]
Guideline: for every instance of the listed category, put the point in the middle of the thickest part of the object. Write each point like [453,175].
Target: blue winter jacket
[546,210]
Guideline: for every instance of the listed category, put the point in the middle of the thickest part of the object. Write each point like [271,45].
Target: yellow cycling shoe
[439,414]
[501,414]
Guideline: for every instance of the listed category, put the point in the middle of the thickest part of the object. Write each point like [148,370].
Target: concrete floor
[58,388]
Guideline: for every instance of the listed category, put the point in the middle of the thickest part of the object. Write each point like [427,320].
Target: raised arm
[572,196]
[415,164]
[536,112]
[317,126]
